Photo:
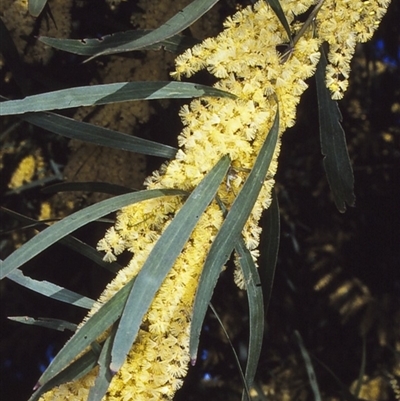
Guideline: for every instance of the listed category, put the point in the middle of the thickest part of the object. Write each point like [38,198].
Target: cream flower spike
[245,59]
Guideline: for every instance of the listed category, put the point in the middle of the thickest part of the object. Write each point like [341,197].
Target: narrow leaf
[333,143]
[69,241]
[76,370]
[55,324]
[91,133]
[107,315]
[309,367]
[161,259]
[89,252]
[108,93]
[256,311]
[229,234]
[35,7]
[103,379]
[269,249]
[50,290]
[69,224]
[179,22]
[276,6]
[121,41]
[35,184]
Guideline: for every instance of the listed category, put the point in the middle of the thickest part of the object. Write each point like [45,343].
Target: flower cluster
[344,24]
[245,59]
[26,170]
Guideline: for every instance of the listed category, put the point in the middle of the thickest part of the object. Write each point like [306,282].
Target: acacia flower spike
[244,59]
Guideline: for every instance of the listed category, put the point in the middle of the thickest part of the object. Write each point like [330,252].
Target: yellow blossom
[245,58]
[45,211]
[24,172]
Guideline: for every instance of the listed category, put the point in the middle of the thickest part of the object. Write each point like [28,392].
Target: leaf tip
[113,368]
[37,386]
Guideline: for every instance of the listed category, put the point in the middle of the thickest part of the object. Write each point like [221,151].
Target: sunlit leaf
[49,323]
[107,315]
[229,234]
[108,93]
[91,133]
[35,7]
[117,43]
[69,241]
[256,311]
[71,223]
[103,379]
[50,290]
[161,259]
[80,367]
[179,22]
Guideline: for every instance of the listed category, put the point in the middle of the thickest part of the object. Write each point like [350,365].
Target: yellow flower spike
[245,58]
[24,172]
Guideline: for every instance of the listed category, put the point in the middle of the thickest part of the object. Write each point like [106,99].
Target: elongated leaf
[269,249]
[69,241]
[276,6]
[50,290]
[107,315]
[103,379]
[76,370]
[89,252]
[69,224]
[161,259]
[108,93]
[229,234]
[89,186]
[309,367]
[35,7]
[91,133]
[55,324]
[256,311]
[108,43]
[176,24]
[333,143]
[35,184]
